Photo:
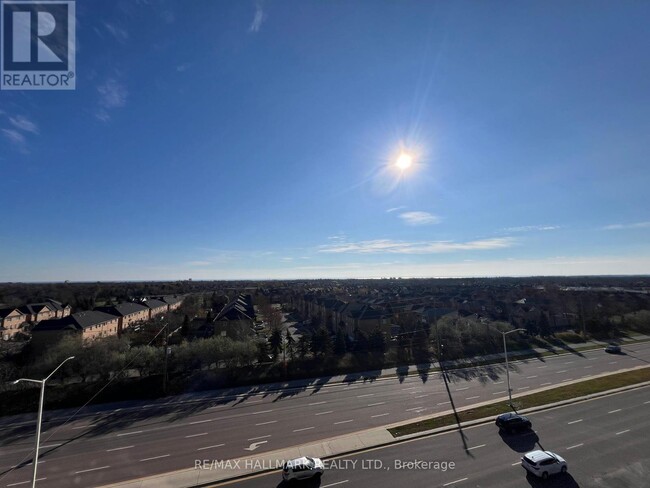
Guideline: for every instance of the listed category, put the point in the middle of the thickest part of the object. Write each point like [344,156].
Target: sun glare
[404,161]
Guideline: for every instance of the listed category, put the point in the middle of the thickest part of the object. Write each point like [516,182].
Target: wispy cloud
[14,136]
[528,228]
[112,95]
[388,246]
[117,32]
[258,18]
[182,67]
[419,218]
[395,209]
[24,124]
[636,225]
[337,237]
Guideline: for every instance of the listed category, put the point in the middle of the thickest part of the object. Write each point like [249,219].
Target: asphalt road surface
[606,443]
[147,439]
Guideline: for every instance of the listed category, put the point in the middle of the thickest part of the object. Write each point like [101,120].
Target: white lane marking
[119,448]
[366,395]
[645,403]
[499,392]
[585,376]
[260,437]
[380,415]
[523,388]
[305,428]
[574,421]
[544,384]
[414,408]
[261,411]
[569,362]
[623,432]
[51,445]
[567,379]
[196,435]
[613,362]
[409,388]
[333,484]
[209,447]
[562,371]
[130,433]
[91,469]
[316,403]
[201,421]
[614,411]
[343,422]
[422,396]
[472,398]
[266,423]
[81,427]
[573,447]
[443,403]
[531,377]
[25,482]
[324,413]
[587,367]
[452,482]
[475,447]
[375,404]
[217,406]
[497,382]
[515,464]
[540,367]
[461,389]
[155,457]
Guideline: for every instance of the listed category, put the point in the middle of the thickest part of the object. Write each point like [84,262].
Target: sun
[404,161]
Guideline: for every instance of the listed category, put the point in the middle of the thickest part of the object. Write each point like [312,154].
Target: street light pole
[40,414]
[505,354]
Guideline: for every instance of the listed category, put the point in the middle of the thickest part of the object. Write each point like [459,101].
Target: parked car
[512,422]
[302,468]
[613,349]
[543,463]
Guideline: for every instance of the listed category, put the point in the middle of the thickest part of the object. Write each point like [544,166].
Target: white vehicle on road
[543,463]
[302,468]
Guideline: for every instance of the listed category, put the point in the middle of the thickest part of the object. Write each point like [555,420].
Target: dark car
[511,422]
[613,349]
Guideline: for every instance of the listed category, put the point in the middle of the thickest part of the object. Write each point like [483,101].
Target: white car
[543,463]
[302,468]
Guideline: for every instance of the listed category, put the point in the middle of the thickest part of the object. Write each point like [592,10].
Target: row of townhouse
[14,319]
[105,321]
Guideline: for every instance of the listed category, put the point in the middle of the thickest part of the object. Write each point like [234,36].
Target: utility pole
[40,414]
[164,385]
[505,353]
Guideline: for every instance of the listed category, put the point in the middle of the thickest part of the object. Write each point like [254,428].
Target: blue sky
[256,139]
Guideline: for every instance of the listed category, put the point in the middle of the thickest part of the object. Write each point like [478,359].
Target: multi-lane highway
[606,443]
[146,439]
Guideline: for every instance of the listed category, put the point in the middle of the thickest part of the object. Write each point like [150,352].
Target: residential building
[89,325]
[128,313]
[12,321]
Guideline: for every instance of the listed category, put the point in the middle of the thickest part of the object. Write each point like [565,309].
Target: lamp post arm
[57,368]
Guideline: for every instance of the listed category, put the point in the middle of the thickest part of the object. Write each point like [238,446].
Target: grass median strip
[533,400]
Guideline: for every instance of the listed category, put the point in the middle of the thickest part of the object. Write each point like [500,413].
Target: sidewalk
[213,471]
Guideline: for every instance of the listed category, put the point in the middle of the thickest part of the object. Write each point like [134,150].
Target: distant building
[89,325]
[12,321]
[156,307]
[128,313]
[236,319]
